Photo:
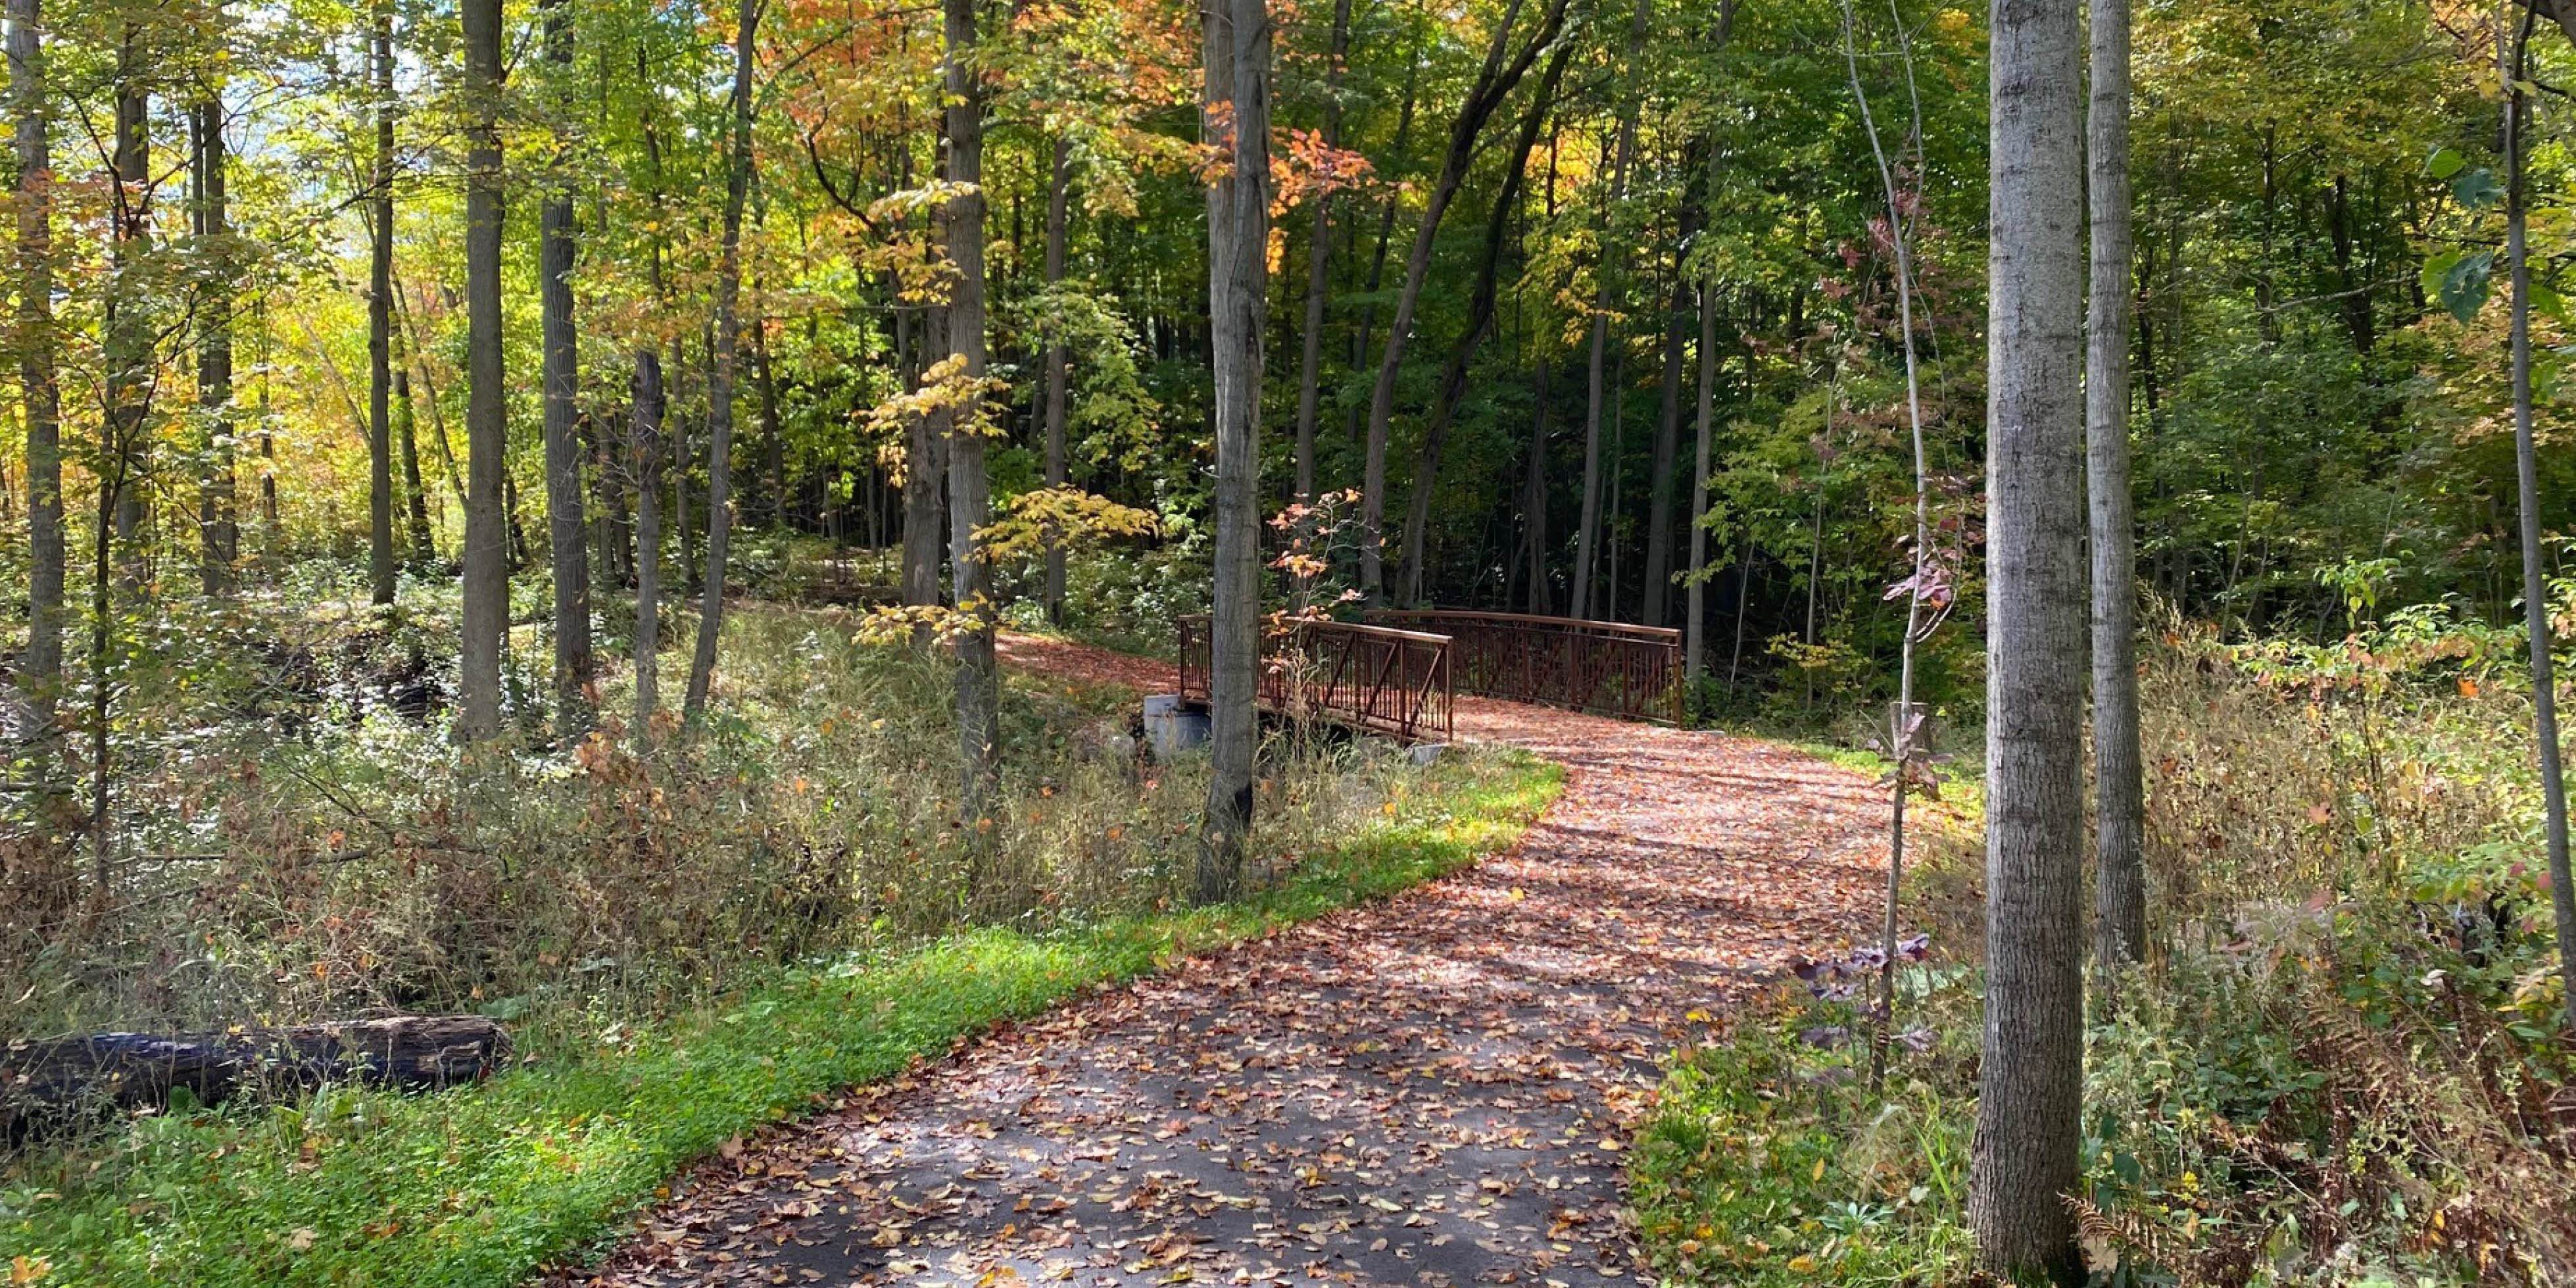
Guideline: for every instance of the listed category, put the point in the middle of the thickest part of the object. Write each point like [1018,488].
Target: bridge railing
[1380,678]
[1609,668]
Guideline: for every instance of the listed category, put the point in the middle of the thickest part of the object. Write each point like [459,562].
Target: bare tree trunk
[567,528]
[1695,597]
[2119,838]
[970,497]
[1058,184]
[129,349]
[1494,82]
[487,553]
[212,232]
[1668,431]
[645,445]
[2535,602]
[1480,324]
[380,313]
[424,545]
[1319,257]
[1237,121]
[1534,494]
[720,373]
[2031,1083]
[40,670]
[1587,529]
[925,474]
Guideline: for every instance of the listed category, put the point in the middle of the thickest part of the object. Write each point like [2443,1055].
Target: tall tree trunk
[970,497]
[487,550]
[1694,597]
[2120,891]
[1587,529]
[380,315]
[1319,257]
[702,667]
[128,348]
[1480,324]
[1059,177]
[1534,492]
[1494,82]
[1668,431]
[40,670]
[2535,591]
[567,528]
[644,445]
[424,545]
[925,475]
[773,438]
[1237,122]
[2031,1084]
[213,234]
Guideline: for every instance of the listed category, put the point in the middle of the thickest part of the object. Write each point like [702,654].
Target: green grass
[541,1164]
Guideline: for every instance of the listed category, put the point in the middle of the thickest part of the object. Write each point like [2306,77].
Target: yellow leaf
[1802,1264]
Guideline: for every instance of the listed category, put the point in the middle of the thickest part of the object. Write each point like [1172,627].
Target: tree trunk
[1058,182]
[2031,1080]
[702,667]
[1587,529]
[424,545]
[1493,83]
[1668,432]
[213,233]
[567,528]
[979,719]
[487,553]
[1480,324]
[1237,122]
[1694,597]
[2120,892]
[380,315]
[1534,493]
[925,474]
[644,443]
[40,670]
[129,348]
[1319,256]
[2535,590]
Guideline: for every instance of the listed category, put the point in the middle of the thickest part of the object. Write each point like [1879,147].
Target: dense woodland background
[506,507]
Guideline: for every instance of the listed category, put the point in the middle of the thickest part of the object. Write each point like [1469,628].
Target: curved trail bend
[1429,1091]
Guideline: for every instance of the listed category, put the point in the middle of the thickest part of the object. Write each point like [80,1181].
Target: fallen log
[58,1079]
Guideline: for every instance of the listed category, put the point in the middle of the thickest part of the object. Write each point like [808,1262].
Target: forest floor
[1435,1090]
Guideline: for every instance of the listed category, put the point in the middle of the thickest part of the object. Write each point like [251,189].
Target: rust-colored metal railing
[1379,678]
[1634,672]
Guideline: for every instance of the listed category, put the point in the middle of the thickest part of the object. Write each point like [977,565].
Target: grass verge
[484,1185]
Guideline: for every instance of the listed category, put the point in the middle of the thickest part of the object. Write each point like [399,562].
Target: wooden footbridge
[1398,673]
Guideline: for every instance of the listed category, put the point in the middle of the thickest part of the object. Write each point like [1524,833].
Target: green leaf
[2444,162]
[2461,281]
[2477,188]
[2548,303]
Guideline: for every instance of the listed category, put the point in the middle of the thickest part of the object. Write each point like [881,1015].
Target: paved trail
[1431,1091]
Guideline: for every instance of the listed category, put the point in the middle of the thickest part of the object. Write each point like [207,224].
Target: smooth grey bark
[1587,526]
[644,444]
[2535,603]
[1480,324]
[1237,120]
[970,495]
[567,528]
[380,311]
[487,537]
[720,369]
[40,669]
[1494,81]
[211,230]
[1319,258]
[2031,1080]
[2119,836]
[1695,594]
[1059,176]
